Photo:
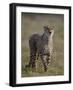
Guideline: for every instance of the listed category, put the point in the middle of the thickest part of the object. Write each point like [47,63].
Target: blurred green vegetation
[33,23]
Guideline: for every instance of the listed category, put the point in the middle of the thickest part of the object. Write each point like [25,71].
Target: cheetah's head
[49,31]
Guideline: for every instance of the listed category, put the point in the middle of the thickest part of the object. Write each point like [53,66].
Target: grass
[33,23]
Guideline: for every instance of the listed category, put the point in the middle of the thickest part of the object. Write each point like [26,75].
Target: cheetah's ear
[45,28]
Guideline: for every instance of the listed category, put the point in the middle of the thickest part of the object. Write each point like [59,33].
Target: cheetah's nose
[50,32]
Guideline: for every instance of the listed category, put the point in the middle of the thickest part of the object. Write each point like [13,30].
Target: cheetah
[41,46]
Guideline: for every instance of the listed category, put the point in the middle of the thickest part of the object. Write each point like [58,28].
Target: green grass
[33,23]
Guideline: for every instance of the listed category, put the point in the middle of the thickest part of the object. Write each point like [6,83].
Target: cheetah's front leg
[44,61]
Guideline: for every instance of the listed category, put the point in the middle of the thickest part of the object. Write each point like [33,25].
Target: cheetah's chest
[48,47]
